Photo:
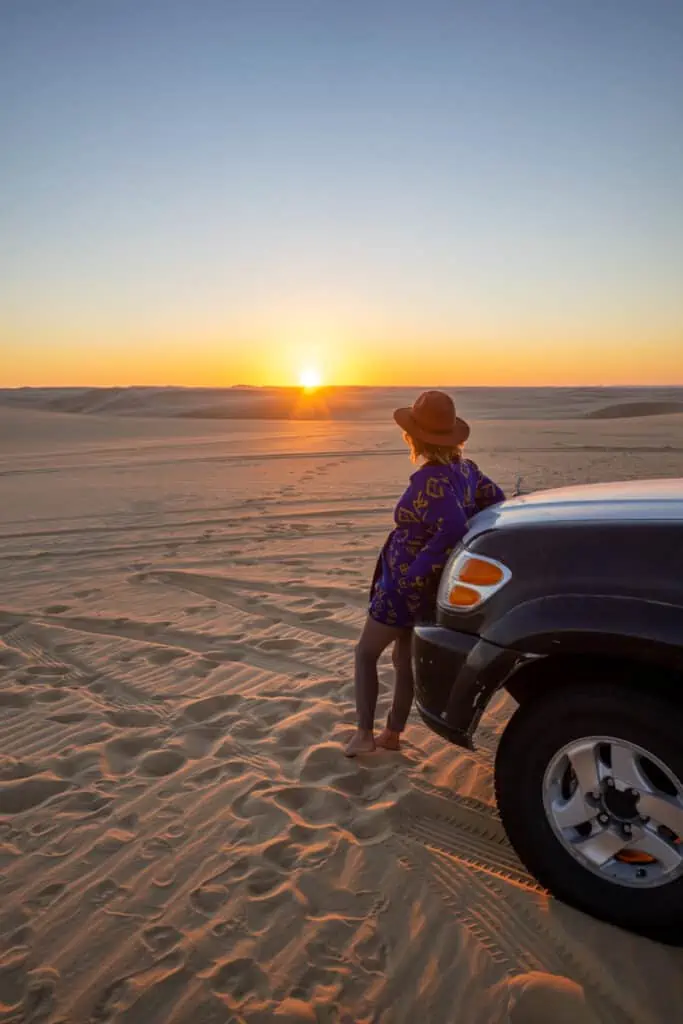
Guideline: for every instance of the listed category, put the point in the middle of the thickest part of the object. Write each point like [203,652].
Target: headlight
[469,580]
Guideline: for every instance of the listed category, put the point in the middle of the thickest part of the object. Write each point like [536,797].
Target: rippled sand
[181,837]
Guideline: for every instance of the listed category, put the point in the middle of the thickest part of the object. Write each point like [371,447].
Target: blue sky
[219,190]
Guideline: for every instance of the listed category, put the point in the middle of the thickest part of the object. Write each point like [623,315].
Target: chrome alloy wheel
[617,809]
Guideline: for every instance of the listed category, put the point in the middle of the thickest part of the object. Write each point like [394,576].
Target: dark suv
[572,600]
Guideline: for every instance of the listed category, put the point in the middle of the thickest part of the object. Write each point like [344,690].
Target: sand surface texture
[181,837]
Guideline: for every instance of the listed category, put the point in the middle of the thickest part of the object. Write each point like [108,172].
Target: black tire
[539,728]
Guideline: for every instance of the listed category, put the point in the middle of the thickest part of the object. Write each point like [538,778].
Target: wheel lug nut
[609,782]
[603,819]
[627,830]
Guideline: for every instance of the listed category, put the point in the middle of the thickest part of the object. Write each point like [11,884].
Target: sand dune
[629,410]
[181,837]
[342,404]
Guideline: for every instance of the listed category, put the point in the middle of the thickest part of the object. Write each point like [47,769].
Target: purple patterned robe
[431,518]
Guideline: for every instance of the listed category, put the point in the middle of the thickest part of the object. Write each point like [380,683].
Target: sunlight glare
[310,378]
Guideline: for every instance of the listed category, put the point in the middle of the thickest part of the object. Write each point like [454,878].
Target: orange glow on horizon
[403,360]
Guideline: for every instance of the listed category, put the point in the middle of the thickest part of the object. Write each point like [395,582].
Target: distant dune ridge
[181,837]
[634,410]
[346,403]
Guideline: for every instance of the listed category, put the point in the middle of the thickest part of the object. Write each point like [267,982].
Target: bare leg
[403,692]
[375,638]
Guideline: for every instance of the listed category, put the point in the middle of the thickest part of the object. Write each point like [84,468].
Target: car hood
[628,501]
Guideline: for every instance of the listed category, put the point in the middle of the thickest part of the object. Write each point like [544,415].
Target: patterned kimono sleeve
[444,515]
[487,493]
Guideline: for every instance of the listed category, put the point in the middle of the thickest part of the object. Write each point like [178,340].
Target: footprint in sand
[19,796]
[283,644]
[373,954]
[86,802]
[110,1002]
[11,769]
[282,853]
[120,753]
[317,806]
[46,897]
[226,654]
[262,880]
[315,616]
[113,840]
[21,936]
[40,995]
[206,777]
[248,729]
[75,762]
[209,707]
[47,670]
[127,821]
[239,978]
[165,657]
[9,659]
[161,762]
[41,828]
[50,696]
[69,718]
[154,628]
[14,699]
[104,891]
[156,847]
[161,938]
[56,609]
[223,928]
[133,718]
[207,899]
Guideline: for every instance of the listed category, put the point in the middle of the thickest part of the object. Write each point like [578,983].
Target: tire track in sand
[459,846]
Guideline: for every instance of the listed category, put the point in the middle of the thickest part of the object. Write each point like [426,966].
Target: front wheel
[589,783]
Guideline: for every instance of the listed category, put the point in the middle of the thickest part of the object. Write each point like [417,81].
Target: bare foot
[389,740]
[362,743]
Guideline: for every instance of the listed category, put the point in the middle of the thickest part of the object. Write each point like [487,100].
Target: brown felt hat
[432,419]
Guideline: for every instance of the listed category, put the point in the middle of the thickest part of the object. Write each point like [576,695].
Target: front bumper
[455,676]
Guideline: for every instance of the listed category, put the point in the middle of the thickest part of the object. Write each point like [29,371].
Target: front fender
[456,675]
[603,625]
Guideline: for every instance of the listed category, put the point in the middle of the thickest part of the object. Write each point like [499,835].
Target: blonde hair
[433,452]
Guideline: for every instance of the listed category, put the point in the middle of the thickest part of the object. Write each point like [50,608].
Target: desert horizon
[346,402]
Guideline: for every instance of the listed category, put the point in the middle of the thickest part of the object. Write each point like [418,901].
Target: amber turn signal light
[481,573]
[463,597]
[470,580]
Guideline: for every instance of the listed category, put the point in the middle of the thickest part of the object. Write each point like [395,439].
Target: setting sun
[310,378]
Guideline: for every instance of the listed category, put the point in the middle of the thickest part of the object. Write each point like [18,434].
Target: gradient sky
[226,191]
